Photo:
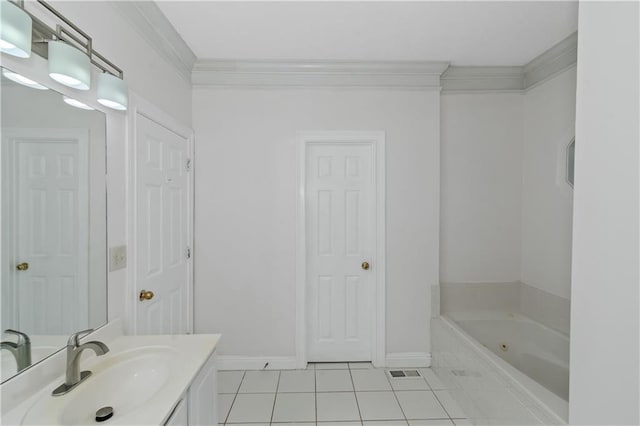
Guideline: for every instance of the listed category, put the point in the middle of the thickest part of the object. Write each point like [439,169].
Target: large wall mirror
[54,268]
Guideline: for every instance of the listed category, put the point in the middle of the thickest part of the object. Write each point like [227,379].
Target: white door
[47,219]
[162,225]
[340,237]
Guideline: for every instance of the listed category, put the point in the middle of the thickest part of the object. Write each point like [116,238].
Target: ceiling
[463,33]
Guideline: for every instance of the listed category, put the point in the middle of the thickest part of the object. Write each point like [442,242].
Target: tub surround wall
[547,199]
[541,306]
[546,308]
[506,219]
[481,187]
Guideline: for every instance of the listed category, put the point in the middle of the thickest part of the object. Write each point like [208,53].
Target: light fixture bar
[74,36]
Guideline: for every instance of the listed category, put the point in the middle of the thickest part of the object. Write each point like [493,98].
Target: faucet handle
[22,337]
[73,339]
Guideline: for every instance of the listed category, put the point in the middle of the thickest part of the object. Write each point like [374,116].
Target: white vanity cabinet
[199,407]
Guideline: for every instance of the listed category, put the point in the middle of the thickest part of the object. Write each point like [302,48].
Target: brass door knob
[146,295]
[22,266]
[365,265]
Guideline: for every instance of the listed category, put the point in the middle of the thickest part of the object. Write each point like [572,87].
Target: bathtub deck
[486,393]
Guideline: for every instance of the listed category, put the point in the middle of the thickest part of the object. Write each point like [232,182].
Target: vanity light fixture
[69,66]
[15,30]
[112,92]
[14,76]
[76,103]
[68,49]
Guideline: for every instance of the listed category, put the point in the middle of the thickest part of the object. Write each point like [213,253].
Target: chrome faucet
[21,349]
[74,349]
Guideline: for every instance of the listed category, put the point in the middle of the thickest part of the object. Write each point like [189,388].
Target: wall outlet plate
[117,258]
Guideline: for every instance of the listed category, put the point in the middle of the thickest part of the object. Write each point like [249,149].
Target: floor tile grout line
[234,398]
[387,375]
[315,392]
[442,405]
[355,395]
[275,397]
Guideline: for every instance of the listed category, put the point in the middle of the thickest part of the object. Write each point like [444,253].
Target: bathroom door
[340,248]
[46,215]
[162,255]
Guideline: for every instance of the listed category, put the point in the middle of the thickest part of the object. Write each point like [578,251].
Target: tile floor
[347,394]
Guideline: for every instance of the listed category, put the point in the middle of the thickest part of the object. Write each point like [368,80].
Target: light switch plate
[117,258]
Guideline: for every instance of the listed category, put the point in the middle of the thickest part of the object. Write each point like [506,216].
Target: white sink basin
[125,381]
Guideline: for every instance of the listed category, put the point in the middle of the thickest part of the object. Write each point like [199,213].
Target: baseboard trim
[230,362]
[409,359]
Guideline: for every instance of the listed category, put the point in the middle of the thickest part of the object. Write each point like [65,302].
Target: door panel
[162,261]
[49,211]
[340,229]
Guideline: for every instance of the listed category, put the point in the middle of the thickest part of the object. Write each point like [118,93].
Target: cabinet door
[180,415]
[203,398]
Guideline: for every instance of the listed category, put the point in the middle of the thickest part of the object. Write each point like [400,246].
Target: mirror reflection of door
[48,218]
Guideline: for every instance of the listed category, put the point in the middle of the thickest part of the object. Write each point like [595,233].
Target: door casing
[377,141]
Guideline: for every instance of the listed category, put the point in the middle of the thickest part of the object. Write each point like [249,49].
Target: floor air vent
[406,374]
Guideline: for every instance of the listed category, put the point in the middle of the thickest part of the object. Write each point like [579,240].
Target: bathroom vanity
[141,380]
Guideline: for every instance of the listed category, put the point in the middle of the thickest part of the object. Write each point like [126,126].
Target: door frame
[8,207]
[140,106]
[376,139]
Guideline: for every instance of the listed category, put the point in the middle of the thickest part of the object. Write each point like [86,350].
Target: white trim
[309,74]
[553,61]
[486,79]
[149,21]
[230,362]
[408,359]
[377,139]
[415,75]
[138,105]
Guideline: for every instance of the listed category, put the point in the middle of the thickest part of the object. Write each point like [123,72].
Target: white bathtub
[535,356]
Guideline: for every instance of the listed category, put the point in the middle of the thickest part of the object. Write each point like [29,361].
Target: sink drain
[504,347]
[104,414]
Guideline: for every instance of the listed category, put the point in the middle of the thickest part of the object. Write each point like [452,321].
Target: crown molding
[470,79]
[309,74]
[395,75]
[482,79]
[147,18]
[552,62]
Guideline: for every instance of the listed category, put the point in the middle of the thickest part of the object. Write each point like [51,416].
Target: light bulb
[14,76]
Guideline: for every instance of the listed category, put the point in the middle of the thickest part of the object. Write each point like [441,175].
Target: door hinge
[188,252]
[187,165]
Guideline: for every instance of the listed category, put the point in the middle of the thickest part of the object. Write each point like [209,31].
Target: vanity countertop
[183,354]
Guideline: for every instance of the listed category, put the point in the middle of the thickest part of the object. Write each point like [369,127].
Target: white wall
[605,331]
[547,199]
[246,208]
[481,187]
